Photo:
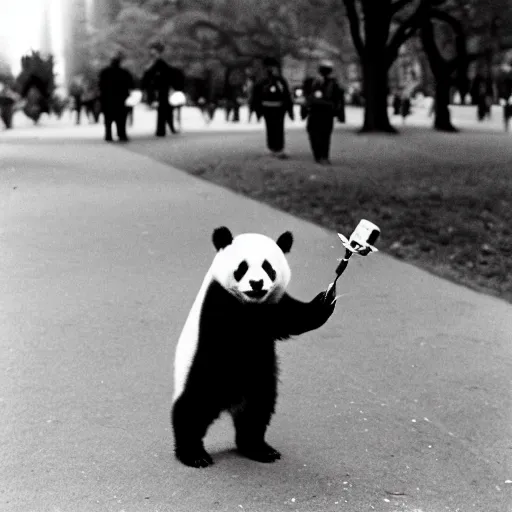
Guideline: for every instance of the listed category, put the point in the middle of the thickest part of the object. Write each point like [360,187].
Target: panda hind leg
[251,426]
[190,423]
[262,452]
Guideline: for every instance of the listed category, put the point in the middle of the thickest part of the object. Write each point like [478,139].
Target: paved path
[401,402]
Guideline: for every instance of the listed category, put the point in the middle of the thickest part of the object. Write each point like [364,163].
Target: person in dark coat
[397,103]
[272,100]
[158,80]
[206,98]
[76,91]
[8,100]
[115,84]
[324,102]
[232,95]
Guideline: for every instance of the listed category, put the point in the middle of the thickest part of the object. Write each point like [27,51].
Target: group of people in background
[269,99]
[323,103]
[112,93]
[85,97]
[114,85]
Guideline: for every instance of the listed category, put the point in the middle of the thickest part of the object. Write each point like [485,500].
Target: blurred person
[207,97]
[248,90]
[131,102]
[207,109]
[481,110]
[324,102]
[59,101]
[158,81]
[76,91]
[340,112]
[397,103]
[272,101]
[504,85]
[405,106]
[91,101]
[115,84]
[8,100]
[482,93]
[406,96]
[232,97]
[507,112]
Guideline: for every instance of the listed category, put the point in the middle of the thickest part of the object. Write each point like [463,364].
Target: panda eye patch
[241,270]
[269,269]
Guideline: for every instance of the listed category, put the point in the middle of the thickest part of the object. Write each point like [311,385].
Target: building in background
[74,13]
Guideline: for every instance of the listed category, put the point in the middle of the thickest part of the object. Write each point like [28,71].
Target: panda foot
[260,453]
[195,458]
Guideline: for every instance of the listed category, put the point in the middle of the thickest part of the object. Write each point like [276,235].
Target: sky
[20,30]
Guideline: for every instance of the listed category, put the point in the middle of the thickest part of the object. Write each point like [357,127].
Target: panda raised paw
[195,459]
[260,453]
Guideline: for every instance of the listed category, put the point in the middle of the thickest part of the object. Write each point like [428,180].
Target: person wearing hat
[324,102]
[159,78]
[115,84]
[272,100]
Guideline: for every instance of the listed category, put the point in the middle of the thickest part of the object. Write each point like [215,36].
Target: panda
[225,358]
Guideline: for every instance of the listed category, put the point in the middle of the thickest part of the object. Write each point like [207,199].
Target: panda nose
[257,286]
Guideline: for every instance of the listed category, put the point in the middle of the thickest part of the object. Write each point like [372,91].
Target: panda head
[252,267]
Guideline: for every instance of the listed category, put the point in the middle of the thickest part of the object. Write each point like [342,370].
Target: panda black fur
[225,358]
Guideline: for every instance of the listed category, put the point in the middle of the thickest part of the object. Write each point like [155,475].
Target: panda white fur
[225,357]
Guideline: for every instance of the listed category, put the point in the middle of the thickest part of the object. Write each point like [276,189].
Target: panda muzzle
[257,291]
[256,294]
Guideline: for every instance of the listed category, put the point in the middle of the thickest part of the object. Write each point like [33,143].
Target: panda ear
[285,241]
[222,237]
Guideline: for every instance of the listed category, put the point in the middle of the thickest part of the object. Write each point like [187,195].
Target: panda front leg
[190,421]
[251,422]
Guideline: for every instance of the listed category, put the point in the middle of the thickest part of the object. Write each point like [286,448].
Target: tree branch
[355,27]
[437,61]
[454,23]
[406,30]
[398,5]
[460,62]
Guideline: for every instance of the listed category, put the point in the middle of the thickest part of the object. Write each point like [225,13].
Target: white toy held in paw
[361,243]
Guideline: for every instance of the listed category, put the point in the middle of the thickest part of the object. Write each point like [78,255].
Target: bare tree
[445,35]
[371,24]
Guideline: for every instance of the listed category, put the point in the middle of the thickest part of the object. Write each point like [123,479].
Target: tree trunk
[377,51]
[377,21]
[375,90]
[442,70]
[442,119]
